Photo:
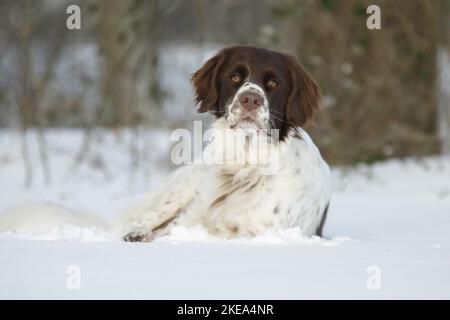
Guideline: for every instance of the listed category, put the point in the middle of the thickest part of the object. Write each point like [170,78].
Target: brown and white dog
[252,92]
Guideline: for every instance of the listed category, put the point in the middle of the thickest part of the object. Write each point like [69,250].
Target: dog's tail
[53,222]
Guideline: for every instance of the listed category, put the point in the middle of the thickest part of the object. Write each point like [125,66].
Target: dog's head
[253,87]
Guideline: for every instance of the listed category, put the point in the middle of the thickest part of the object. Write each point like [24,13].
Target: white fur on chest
[241,199]
[232,198]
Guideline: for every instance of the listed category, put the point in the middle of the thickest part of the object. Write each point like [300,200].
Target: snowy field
[387,236]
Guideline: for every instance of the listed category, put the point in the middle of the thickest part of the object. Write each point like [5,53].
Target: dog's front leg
[162,206]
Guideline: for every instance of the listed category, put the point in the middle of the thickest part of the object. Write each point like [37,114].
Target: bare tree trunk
[33,91]
[290,26]
[23,101]
[443,77]
[114,39]
[201,8]
[443,99]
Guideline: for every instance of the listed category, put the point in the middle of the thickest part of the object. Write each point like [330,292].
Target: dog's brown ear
[304,97]
[205,83]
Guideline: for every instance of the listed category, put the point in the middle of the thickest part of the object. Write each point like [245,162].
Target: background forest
[385,92]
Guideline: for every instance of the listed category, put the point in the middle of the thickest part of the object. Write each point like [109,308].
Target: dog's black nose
[250,101]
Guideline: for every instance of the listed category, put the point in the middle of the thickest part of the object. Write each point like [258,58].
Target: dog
[257,94]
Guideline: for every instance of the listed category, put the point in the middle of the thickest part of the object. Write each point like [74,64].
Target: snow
[392,217]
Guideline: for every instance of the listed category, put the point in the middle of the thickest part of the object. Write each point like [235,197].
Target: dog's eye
[272,84]
[235,78]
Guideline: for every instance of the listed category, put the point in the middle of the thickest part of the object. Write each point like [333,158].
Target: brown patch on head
[304,97]
[205,83]
[291,93]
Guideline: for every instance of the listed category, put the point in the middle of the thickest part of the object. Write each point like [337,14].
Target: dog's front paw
[138,236]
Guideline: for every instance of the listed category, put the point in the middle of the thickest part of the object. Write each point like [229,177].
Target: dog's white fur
[228,196]
[231,197]
[234,199]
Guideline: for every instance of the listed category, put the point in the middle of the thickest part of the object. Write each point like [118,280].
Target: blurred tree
[443,76]
[115,46]
[378,85]
[29,71]
[382,89]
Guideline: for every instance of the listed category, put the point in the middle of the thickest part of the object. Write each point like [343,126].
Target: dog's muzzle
[250,101]
[249,106]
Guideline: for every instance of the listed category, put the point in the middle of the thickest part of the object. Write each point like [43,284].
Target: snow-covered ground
[387,236]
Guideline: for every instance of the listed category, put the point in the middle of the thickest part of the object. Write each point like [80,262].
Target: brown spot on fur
[234,229]
[229,187]
[253,185]
[167,222]
[219,200]
[276,210]
[227,179]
